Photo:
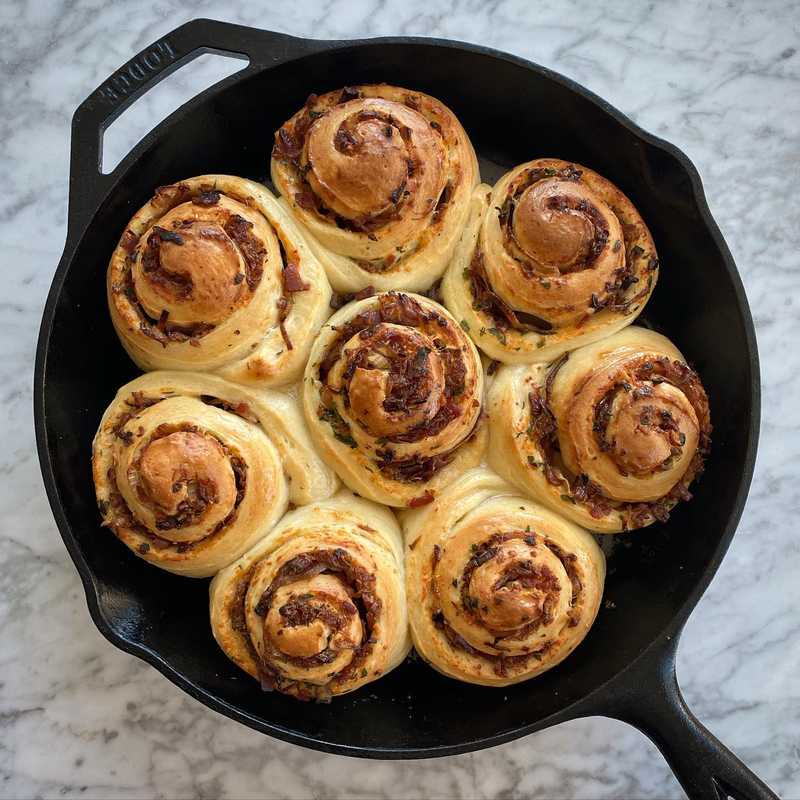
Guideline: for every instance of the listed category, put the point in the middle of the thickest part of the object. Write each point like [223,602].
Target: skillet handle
[88,185]
[705,768]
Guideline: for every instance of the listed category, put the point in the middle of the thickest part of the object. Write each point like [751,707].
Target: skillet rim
[591,703]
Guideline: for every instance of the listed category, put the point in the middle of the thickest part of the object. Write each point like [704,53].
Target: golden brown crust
[190,470]
[554,257]
[317,608]
[611,435]
[393,395]
[212,274]
[380,177]
[499,588]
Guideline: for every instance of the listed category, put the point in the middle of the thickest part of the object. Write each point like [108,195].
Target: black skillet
[513,111]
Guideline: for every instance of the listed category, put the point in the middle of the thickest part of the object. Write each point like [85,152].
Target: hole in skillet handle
[89,185]
[167,95]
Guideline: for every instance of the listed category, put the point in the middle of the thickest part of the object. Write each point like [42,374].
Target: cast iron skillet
[513,111]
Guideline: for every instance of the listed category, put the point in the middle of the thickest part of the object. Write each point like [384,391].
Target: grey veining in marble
[722,81]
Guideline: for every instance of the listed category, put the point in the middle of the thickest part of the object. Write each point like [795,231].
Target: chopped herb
[504,211]
[500,335]
[167,236]
[340,429]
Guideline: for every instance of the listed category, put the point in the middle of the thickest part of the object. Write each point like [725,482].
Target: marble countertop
[720,80]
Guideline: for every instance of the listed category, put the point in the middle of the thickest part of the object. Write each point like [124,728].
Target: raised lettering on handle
[135,72]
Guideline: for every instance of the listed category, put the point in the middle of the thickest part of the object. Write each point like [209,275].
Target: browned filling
[502,664]
[252,249]
[292,282]
[417,469]
[434,293]
[525,573]
[503,315]
[579,488]
[532,176]
[289,147]
[136,402]
[207,198]
[364,601]
[555,203]
[118,516]
[650,418]
[616,294]
[237,228]
[340,300]
[162,330]
[408,380]
[242,410]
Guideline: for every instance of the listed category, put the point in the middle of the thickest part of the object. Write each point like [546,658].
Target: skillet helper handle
[88,185]
[705,768]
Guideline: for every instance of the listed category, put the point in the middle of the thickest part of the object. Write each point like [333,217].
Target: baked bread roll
[499,588]
[611,435]
[317,607]
[392,396]
[191,470]
[552,258]
[380,177]
[213,275]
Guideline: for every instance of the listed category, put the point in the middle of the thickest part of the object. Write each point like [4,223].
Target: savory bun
[611,435]
[552,258]
[381,178]
[190,470]
[213,275]
[392,396]
[317,608]
[499,588]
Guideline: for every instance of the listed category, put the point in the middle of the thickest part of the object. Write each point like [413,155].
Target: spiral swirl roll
[392,395]
[552,258]
[611,436]
[191,470]
[381,178]
[499,588]
[317,607]
[213,275]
